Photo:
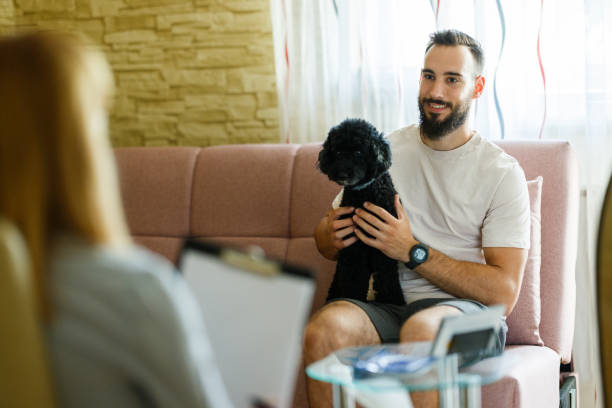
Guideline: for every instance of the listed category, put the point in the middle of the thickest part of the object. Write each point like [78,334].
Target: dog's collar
[366,184]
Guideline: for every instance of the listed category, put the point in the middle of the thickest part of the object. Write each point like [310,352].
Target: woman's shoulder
[132,280]
[79,262]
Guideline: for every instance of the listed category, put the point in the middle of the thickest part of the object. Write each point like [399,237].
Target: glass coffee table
[456,387]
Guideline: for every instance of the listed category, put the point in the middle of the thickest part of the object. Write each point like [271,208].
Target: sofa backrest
[273,196]
[556,163]
[156,188]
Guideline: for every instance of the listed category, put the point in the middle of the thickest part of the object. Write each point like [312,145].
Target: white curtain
[549,76]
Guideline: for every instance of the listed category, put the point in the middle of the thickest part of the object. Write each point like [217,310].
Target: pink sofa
[273,196]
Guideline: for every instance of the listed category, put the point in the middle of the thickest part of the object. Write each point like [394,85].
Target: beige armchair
[25,379]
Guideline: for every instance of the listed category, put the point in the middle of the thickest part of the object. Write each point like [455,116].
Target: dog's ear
[323,159]
[382,151]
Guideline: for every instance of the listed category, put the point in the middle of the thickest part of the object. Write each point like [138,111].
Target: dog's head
[354,153]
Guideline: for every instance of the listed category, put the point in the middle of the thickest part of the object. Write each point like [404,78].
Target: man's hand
[393,236]
[331,233]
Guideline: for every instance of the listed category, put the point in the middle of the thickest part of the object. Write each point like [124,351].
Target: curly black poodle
[357,156]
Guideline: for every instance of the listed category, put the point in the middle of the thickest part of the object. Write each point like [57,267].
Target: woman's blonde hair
[57,171]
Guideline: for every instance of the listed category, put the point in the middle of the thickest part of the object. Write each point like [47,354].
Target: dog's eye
[357,152]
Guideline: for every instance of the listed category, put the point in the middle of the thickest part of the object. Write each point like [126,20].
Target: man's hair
[456,38]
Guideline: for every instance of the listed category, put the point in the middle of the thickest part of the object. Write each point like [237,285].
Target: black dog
[356,156]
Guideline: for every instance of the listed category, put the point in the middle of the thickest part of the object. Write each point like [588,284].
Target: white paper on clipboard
[254,310]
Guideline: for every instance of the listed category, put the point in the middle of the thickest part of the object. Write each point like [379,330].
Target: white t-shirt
[457,201]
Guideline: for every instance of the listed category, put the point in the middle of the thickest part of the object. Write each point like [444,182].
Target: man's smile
[436,106]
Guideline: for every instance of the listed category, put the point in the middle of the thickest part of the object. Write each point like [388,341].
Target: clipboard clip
[253,260]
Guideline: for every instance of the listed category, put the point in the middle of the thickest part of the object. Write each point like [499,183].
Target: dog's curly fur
[356,156]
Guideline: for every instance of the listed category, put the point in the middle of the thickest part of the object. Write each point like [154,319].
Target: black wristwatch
[418,255]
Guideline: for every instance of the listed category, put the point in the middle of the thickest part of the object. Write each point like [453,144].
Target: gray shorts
[388,319]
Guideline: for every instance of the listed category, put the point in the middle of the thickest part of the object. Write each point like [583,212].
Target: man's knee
[336,325]
[424,325]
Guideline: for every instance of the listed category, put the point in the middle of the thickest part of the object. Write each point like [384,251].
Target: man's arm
[330,235]
[496,282]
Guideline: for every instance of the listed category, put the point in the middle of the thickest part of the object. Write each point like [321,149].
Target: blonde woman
[123,328]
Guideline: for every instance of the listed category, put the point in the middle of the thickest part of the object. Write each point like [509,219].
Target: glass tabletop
[406,366]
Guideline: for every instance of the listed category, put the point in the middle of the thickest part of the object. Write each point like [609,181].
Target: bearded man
[462,232]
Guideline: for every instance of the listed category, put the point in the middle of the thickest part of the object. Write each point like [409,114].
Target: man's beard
[434,129]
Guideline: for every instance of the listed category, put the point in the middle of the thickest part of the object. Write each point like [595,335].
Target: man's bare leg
[423,326]
[337,325]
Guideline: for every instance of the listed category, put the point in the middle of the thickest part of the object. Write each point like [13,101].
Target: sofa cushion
[524,321]
[156,189]
[311,192]
[530,379]
[242,191]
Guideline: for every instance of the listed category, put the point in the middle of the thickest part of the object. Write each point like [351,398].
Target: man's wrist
[406,257]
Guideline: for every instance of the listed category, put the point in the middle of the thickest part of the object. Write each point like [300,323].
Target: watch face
[419,254]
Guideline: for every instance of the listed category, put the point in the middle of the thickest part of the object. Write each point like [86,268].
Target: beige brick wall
[188,72]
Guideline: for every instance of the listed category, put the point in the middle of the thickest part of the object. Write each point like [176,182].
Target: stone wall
[188,72]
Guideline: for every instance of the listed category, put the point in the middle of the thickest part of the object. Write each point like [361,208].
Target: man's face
[448,82]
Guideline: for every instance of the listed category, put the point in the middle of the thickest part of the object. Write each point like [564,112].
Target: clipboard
[255,309]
